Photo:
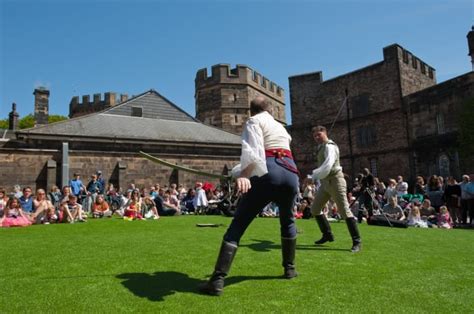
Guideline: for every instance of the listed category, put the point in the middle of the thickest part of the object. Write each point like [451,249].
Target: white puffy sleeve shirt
[253,150]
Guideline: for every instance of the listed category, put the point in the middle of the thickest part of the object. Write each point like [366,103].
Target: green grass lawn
[111,265]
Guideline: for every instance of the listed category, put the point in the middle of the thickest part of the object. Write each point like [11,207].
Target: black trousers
[279,185]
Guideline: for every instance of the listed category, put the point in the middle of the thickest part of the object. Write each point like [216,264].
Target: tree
[28,121]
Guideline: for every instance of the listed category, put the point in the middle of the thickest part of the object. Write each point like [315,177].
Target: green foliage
[466,127]
[111,265]
[29,121]
[56,118]
[26,122]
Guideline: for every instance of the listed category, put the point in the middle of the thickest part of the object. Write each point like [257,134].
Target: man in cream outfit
[333,185]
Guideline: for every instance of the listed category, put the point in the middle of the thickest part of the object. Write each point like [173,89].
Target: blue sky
[87,47]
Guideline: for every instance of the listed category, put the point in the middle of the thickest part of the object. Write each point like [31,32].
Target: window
[414,62]
[360,105]
[373,166]
[440,123]
[366,136]
[443,165]
[137,112]
[430,72]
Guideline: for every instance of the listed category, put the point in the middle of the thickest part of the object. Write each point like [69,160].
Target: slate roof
[161,121]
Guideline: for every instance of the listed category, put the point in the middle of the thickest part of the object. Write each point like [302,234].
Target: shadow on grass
[267,246]
[156,286]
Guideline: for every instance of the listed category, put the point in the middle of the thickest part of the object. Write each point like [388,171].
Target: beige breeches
[332,187]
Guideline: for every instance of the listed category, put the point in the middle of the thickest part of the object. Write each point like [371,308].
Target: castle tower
[470,43]
[13,118]
[223,99]
[41,105]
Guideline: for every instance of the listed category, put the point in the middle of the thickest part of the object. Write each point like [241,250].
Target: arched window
[443,163]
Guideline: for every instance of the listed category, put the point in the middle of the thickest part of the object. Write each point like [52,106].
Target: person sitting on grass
[100,208]
[444,218]
[75,209]
[393,210]
[44,210]
[133,210]
[3,201]
[150,208]
[13,215]
[428,213]
[414,218]
[64,214]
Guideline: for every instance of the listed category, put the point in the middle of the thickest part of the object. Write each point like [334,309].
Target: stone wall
[42,168]
[434,115]
[378,123]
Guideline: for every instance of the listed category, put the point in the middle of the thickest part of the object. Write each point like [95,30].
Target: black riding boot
[288,248]
[325,228]
[354,231]
[215,285]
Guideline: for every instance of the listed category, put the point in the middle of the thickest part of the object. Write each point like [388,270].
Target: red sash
[279,153]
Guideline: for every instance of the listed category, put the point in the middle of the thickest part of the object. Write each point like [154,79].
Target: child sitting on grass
[133,210]
[13,216]
[444,219]
[100,208]
[414,218]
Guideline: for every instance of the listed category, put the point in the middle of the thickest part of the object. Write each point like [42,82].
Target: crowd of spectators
[437,203]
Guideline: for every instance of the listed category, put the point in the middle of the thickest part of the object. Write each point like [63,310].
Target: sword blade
[178,167]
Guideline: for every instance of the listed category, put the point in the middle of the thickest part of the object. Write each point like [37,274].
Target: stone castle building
[223,98]
[395,119]
[78,108]
[109,140]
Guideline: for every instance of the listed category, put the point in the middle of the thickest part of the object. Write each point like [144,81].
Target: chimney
[123,97]
[13,118]
[470,43]
[41,106]
[109,99]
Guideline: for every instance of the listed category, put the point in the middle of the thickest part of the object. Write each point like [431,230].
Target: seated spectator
[17,191]
[133,210]
[64,214]
[444,219]
[402,186]
[149,208]
[44,210]
[3,201]
[182,192]
[305,209]
[76,209]
[100,208]
[188,201]
[26,201]
[269,210]
[420,187]
[164,207]
[13,215]
[414,218]
[428,213]
[393,210]
[55,196]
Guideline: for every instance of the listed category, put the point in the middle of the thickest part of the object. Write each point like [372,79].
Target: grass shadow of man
[155,287]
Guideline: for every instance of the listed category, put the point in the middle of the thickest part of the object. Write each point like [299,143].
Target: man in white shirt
[266,173]
[333,185]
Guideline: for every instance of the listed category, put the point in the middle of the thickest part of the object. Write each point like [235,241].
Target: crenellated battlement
[86,106]
[403,56]
[241,74]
